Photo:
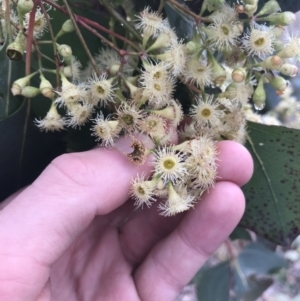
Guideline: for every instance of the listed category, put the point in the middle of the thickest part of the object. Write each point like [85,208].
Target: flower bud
[15,50]
[272,63]
[278,45]
[46,87]
[30,92]
[250,2]
[191,47]
[269,8]
[250,9]
[68,26]
[24,7]
[114,69]
[238,75]
[259,96]
[289,70]
[19,84]
[278,82]
[213,5]
[219,74]
[285,18]
[277,31]
[64,50]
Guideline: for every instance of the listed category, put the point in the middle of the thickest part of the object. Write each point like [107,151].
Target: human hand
[71,235]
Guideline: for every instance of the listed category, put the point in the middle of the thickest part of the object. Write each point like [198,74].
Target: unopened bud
[250,9]
[68,26]
[191,47]
[285,18]
[269,8]
[278,45]
[213,5]
[272,63]
[259,96]
[114,69]
[46,87]
[64,50]
[277,31]
[238,75]
[24,7]
[19,84]
[30,92]
[219,74]
[289,70]
[278,82]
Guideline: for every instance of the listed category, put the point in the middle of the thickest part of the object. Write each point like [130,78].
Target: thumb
[44,219]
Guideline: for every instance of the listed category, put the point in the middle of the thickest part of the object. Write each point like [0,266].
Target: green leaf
[257,259]
[273,193]
[244,275]
[10,71]
[213,283]
[240,233]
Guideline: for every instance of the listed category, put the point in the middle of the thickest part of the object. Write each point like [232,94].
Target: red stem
[30,38]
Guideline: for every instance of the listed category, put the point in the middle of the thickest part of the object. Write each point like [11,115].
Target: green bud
[277,31]
[15,50]
[19,84]
[30,92]
[64,50]
[278,45]
[269,8]
[289,70]
[279,83]
[46,88]
[191,47]
[67,27]
[259,96]
[250,2]
[285,18]
[213,5]
[219,74]
[250,9]
[24,7]
[272,63]
[238,75]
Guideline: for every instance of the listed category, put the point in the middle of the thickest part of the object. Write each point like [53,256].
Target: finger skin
[43,220]
[235,163]
[173,262]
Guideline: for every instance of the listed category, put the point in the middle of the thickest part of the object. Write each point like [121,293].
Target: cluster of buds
[138,90]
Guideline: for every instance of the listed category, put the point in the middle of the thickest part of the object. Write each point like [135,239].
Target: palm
[100,264]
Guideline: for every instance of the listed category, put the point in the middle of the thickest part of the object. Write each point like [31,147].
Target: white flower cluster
[139,90]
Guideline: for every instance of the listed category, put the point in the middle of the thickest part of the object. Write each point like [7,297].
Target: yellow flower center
[157,75]
[141,190]
[169,163]
[206,112]
[100,90]
[157,87]
[259,42]
[127,119]
[225,30]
